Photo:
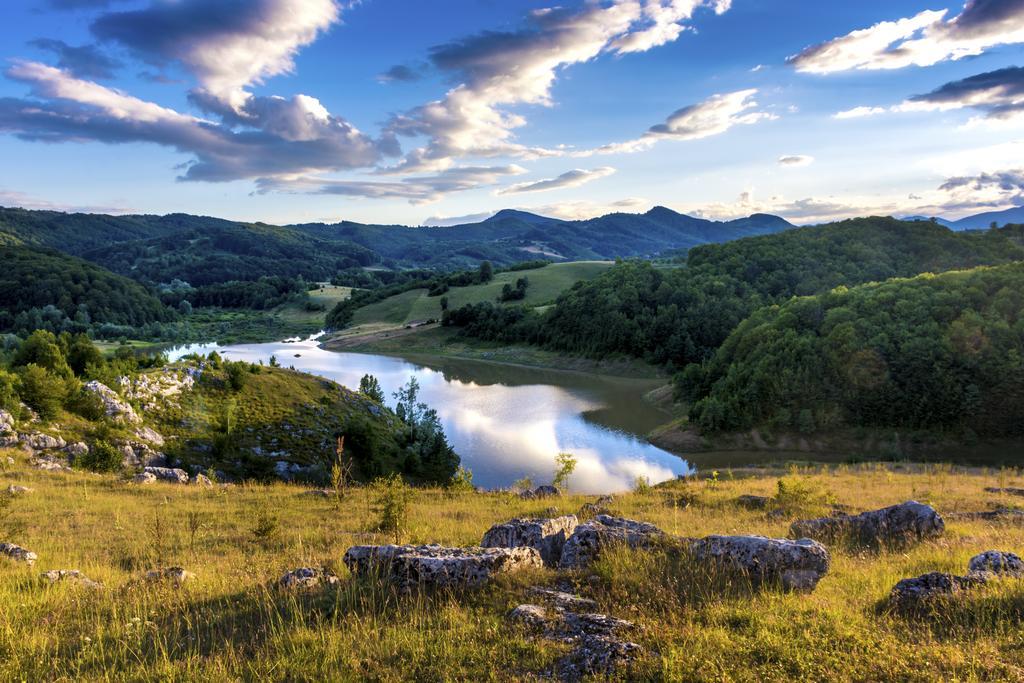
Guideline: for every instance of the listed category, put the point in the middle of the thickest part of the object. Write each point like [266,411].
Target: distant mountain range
[980,221]
[161,248]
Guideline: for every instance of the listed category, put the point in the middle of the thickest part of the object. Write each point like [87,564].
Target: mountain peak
[525,216]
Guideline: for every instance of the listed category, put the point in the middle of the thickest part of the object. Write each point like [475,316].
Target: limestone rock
[794,565]
[69,576]
[18,554]
[151,435]
[543,491]
[202,480]
[435,566]
[6,422]
[50,463]
[308,577]
[919,591]
[113,405]
[997,562]
[531,616]
[895,526]
[16,490]
[999,515]
[175,575]
[144,478]
[172,475]
[564,601]
[76,450]
[37,441]
[587,541]
[601,656]
[547,536]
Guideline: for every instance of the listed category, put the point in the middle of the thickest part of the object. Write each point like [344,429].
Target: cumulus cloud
[583,209]
[859,112]
[713,116]
[417,189]
[921,40]
[573,178]
[999,94]
[496,70]
[65,108]
[448,221]
[795,160]
[83,61]
[28,201]
[985,190]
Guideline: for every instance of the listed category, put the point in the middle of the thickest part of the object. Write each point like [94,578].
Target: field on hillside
[545,285]
[230,624]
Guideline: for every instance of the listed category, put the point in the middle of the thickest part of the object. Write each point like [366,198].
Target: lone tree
[486,271]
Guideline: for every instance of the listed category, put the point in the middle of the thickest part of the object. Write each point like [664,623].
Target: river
[506,422]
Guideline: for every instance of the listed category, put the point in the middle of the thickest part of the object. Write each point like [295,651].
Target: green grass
[230,625]
[545,286]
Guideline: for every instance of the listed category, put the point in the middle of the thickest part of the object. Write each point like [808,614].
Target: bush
[393,496]
[8,391]
[238,375]
[87,404]
[42,391]
[102,457]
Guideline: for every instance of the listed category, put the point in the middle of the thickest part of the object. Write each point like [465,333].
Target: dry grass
[228,624]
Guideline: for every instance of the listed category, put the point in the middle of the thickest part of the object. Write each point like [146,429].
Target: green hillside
[44,289]
[935,352]
[546,284]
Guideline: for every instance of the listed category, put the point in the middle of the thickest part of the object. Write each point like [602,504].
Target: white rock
[893,527]
[115,408]
[547,536]
[69,576]
[434,566]
[793,565]
[173,475]
[144,478]
[176,575]
[308,577]
[587,541]
[18,554]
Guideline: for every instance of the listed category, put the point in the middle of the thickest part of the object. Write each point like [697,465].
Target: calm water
[507,422]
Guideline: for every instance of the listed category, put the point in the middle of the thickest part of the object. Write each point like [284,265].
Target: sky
[412,112]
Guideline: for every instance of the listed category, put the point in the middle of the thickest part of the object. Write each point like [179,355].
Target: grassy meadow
[230,624]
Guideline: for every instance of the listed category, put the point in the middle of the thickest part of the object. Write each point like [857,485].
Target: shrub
[42,391]
[102,457]
[87,404]
[565,464]
[392,495]
[462,480]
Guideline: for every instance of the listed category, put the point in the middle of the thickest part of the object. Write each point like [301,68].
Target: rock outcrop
[588,540]
[154,390]
[997,562]
[308,577]
[896,526]
[544,491]
[18,554]
[547,536]
[69,576]
[114,406]
[168,474]
[434,566]
[752,502]
[144,478]
[792,565]
[37,441]
[16,490]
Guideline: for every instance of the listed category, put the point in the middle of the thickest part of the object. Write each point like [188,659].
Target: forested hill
[42,289]
[180,246]
[511,236]
[935,352]
[682,315]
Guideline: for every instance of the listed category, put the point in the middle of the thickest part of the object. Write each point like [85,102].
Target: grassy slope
[228,626]
[545,285]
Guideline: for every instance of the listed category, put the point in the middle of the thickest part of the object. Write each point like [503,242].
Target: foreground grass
[229,625]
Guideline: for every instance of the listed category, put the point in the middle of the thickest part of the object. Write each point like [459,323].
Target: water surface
[505,421]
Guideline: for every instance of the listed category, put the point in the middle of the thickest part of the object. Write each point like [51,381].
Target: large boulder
[793,565]
[114,407]
[76,450]
[547,536]
[588,540]
[173,475]
[150,435]
[434,566]
[896,526]
[998,562]
[18,554]
[922,591]
[6,422]
[37,441]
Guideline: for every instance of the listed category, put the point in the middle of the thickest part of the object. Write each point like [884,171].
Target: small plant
[196,522]
[524,484]
[392,495]
[642,486]
[9,526]
[565,465]
[462,481]
[795,495]
[157,535]
[102,457]
[341,471]
[272,362]
[265,530]
[712,481]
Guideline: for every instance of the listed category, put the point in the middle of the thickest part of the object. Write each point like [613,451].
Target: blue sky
[410,112]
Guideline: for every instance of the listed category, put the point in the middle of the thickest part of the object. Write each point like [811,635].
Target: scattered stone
[910,594]
[6,422]
[1010,491]
[172,475]
[50,463]
[795,565]
[18,554]
[114,407]
[435,566]
[176,575]
[532,616]
[547,536]
[10,461]
[543,491]
[15,490]
[308,577]
[1002,514]
[202,480]
[151,435]
[37,441]
[144,478]
[319,493]
[752,502]
[997,562]
[76,450]
[156,390]
[599,656]
[564,601]
[69,576]
[587,541]
[895,526]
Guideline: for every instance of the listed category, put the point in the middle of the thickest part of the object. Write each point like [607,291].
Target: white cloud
[574,178]
[925,39]
[584,209]
[795,160]
[27,201]
[859,112]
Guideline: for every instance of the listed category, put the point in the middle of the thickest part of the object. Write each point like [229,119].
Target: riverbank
[438,342]
[229,622]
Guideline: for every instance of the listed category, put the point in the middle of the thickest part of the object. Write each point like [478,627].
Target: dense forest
[44,289]
[935,352]
[681,315]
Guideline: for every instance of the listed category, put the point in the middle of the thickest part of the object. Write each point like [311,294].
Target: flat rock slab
[546,536]
[18,554]
[308,577]
[563,600]
[896,526]
[588,540]
[793,565]
[435,566]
